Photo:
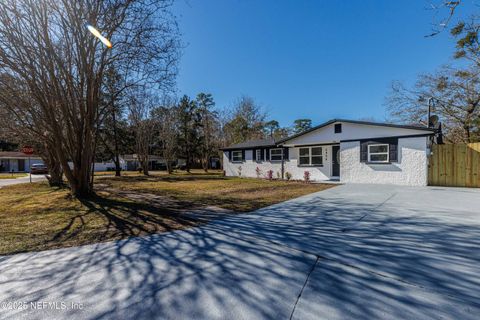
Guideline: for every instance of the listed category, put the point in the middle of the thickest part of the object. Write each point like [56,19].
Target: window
[378,153]
[258,155]
[338,128]
[317,157]
[276,154]
[237,156]
[304,156]
[310,156]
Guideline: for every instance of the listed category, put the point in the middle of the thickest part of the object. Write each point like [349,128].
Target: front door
[21,165]
[336,161]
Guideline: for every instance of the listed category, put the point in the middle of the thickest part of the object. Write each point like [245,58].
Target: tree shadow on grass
[106,218]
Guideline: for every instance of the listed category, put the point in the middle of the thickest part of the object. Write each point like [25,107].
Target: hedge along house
[345,150]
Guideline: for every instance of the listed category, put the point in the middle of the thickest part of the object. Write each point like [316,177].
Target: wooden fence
[455,165]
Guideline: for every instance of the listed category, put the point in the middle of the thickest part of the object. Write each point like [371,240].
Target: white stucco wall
[249,166]
[411,168]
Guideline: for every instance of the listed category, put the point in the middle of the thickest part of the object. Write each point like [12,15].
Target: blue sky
[307,59]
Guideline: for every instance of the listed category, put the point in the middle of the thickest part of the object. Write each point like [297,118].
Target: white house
[17,161]
[346,150]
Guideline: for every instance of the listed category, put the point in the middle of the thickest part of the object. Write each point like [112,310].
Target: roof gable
[405,128]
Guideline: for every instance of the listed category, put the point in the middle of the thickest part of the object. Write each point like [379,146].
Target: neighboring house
[17,161]
[131,162]
[345,150]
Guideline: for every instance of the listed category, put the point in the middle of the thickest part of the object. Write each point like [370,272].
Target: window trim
[310,156]
[258,155]
[377,153]
[233,156]
[281,154]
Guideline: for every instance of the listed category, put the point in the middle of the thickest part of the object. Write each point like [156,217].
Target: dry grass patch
[237,194]
[36,217]
[12,176]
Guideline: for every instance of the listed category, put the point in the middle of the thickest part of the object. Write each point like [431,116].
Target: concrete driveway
[351,252]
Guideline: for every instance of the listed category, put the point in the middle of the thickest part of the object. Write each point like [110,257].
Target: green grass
[37,217]
[12,176]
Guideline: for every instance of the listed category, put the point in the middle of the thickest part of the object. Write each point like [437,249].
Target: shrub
[239,169]
[278,175]
[270,174]
[258,172]
[288,175]
[306,176]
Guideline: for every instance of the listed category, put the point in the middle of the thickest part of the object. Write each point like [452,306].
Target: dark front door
[336,161]
[21,165]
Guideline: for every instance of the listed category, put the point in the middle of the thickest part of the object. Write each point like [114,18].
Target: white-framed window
[310,156]
[237,156]
[378,153]
[276,154]
[258,155]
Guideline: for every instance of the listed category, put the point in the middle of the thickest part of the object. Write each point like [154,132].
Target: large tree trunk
[205,163]
[55,177]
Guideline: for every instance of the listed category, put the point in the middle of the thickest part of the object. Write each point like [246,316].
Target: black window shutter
[285,154]
[267,157]
[229,155]
[393,151]
[392,147]
[243,155]
[363,151]
[254,154]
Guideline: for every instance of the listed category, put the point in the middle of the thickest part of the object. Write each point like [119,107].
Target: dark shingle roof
[16,155]
[269,142]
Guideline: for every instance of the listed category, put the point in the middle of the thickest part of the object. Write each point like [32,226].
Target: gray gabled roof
[268,142]
[368,123]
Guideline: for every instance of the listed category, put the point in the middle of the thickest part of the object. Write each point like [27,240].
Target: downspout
[283,162]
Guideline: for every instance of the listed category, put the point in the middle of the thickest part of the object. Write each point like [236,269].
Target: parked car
[38,169]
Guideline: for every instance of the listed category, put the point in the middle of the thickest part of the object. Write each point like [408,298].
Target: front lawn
[36,217]
[237,194]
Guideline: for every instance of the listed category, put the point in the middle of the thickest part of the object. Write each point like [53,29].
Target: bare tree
[20,122]
[167,128]
[247,121]
[141,105]
[45,46]
[444,11]
[457,95]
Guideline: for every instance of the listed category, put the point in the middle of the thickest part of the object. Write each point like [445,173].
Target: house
[17,161]
[131,162]
[349,151]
